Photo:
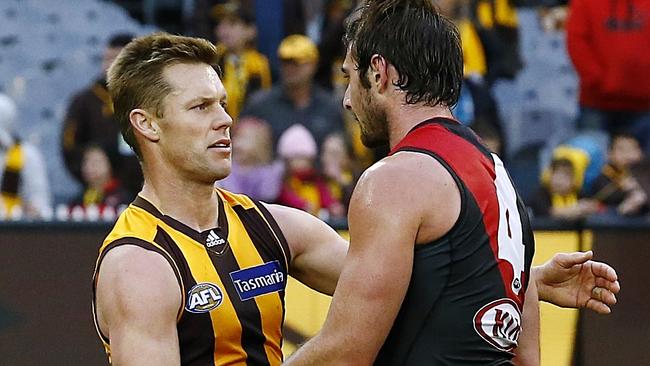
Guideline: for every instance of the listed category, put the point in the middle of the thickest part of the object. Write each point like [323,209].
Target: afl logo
[499,323]
[203,298]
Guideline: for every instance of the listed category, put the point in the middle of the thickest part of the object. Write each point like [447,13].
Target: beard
[373,123]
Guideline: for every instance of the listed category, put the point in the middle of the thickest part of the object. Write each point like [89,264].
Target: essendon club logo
[499,323]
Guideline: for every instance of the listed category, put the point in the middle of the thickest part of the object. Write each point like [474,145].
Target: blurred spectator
[616,187]
[304,186]
[490,136]
[331,49]
[102,187]
[497,27]
[89,120]
[24,187]
[297,99]
[244,69]
[607,42]
[254,173]
[559,196]
[339,167]
[553,19]
[304,17]
[474,63]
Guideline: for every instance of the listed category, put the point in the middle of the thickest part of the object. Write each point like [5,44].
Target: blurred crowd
[294,144]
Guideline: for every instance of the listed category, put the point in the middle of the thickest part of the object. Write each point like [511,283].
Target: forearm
[321,351]
[536,276]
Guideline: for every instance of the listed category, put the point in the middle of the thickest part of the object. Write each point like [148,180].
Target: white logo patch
[499,323]
[203,298]
[213,240]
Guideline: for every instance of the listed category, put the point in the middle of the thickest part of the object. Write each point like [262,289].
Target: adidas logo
[213,240]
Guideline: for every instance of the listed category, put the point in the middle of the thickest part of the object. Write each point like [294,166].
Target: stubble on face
[372,121]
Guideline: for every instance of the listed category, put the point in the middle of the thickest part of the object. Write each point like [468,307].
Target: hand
[573,280]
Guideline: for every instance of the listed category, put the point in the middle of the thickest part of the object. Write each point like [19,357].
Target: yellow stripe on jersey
[228,347]
[235,331]
[247,256]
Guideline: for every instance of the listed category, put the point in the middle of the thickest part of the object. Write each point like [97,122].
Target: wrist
[536,274]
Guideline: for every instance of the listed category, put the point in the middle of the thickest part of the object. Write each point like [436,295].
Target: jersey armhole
[281,240]
[144,245]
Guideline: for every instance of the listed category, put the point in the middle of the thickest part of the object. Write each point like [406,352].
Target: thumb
[568,260]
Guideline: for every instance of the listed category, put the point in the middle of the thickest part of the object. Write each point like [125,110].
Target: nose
[222,120]
[346,99]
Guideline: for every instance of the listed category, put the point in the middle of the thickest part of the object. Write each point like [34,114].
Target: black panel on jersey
[276,229]
[195,331]
[252,337]
[437,300]
[450,279]
[259,231]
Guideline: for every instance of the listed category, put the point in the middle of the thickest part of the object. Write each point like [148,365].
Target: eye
[201,107]
[224,104]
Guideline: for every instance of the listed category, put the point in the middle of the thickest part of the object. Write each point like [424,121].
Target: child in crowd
[338,166]
[304,186]
[615,187]
[245,70]
[560,196]
[102,188]
[254,172]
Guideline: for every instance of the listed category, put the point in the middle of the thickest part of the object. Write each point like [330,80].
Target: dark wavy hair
[420,43]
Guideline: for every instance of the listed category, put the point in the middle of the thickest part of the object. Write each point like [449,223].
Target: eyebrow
[204,99]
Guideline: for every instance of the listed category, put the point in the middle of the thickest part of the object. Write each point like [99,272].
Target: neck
[402,119]
[195,204]
[300,95]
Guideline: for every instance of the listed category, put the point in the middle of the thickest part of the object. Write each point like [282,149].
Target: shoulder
[301,229]
[129,271]
[406,173]
[407,189]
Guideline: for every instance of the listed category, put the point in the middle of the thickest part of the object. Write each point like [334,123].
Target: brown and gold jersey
[232,278]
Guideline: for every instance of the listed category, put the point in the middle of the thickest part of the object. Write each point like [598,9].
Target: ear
[143,122]
[378,72]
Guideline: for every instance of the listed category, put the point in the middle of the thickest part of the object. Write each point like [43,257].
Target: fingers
[597,306]
[604,270]
[568,260]
[613,286]
[601,295]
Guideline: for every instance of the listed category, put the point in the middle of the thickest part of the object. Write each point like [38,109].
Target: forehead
[348,62]
[189,80]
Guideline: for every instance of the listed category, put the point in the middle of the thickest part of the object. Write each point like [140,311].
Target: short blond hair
[135,79]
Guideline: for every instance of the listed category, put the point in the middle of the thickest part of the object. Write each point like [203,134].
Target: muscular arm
[317,250]
[138,299]
[384,227]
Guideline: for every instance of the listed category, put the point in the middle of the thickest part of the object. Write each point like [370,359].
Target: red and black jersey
[466,294]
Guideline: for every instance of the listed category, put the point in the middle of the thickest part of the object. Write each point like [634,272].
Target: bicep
[317,251]
[138,299]
[376,274]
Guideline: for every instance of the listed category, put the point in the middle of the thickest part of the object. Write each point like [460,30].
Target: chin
[373,141]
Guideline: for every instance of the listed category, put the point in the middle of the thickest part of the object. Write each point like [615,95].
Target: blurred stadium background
[52,49]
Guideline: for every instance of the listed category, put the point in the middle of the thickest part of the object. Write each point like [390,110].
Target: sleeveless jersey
[232,278]
[464,302]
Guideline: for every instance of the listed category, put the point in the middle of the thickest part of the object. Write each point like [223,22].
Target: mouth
[222,145]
